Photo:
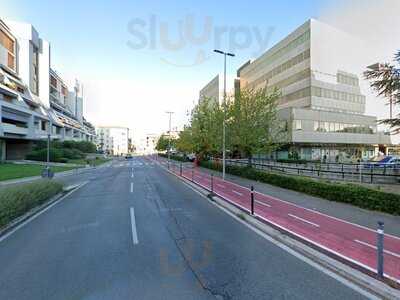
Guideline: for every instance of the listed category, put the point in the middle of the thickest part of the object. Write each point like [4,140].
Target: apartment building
[114,140]
[31,104]
[322,104]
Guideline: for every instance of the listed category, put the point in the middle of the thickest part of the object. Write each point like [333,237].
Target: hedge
[174,157]
[17,200]
[339,192]
[56,155]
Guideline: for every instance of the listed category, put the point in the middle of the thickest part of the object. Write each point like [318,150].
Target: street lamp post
[224,104]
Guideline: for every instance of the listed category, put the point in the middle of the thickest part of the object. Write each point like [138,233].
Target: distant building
[114,140]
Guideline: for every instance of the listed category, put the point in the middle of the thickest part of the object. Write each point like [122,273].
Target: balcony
[14,129]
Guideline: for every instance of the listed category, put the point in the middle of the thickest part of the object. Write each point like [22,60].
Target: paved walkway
[350,241]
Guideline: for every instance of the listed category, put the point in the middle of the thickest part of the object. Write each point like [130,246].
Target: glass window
[297,125]
[332,127]
[316,126]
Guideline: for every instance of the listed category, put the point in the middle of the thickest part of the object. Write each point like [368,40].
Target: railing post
[212,183]
[252,199]
[372,174]
[380,236]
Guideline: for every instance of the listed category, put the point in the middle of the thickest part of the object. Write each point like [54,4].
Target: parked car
[389,161]
[191,156]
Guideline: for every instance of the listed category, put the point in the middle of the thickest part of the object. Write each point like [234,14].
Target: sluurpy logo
[155,34]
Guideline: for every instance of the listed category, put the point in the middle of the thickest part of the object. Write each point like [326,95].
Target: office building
[317,71]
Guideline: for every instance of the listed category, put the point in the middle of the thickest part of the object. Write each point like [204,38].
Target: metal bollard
[180,171]
[380,236]
[252,199]
[192,175]
[212,183]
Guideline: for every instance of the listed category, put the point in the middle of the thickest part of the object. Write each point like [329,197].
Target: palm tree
[385,80]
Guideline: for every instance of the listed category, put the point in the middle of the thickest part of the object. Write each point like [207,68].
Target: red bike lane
[351,242]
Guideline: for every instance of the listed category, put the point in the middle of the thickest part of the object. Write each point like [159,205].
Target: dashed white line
[131,187]
[134,231]
[303,220]
[262,203]
[374,247]
[237,193]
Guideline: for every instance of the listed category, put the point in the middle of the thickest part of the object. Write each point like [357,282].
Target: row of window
[281,52]
[326,93]
[337,95]
[282,68]
[349,80]
[320,126]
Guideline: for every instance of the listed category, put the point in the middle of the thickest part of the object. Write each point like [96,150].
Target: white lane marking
[303,220]
[237,193]
[131,187]
[262,203]
[374,247]
[2,238]
[221,185]
[133,223]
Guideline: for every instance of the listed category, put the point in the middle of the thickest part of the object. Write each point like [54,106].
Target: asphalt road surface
[136,232]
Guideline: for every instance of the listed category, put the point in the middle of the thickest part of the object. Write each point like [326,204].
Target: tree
[253,126]
[206,127]
[163,143]
[185,141]
[385,80]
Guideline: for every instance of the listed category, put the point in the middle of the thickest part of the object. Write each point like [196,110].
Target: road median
[20,203]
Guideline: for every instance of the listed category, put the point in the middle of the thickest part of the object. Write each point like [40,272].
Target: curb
[8,229]
[353,275]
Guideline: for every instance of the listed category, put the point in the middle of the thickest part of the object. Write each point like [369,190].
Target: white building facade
[30,107]
[321,99]
[113,140]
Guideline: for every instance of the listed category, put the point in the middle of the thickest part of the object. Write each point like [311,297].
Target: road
[136,232]
[352,242]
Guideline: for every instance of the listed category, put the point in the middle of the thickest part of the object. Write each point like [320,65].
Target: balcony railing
[14,129]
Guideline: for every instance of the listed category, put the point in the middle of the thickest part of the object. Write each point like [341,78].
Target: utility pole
[224,121]
[169,134]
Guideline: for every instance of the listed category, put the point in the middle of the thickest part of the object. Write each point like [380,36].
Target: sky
[139,59]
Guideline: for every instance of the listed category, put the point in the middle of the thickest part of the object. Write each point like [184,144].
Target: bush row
[56,155]
[174,157]
[15,201]
[340,192]
[82,146]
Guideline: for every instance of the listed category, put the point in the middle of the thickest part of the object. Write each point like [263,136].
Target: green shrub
[174,157]
[340,192]
[56,155]
[72,153]
[15,201]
